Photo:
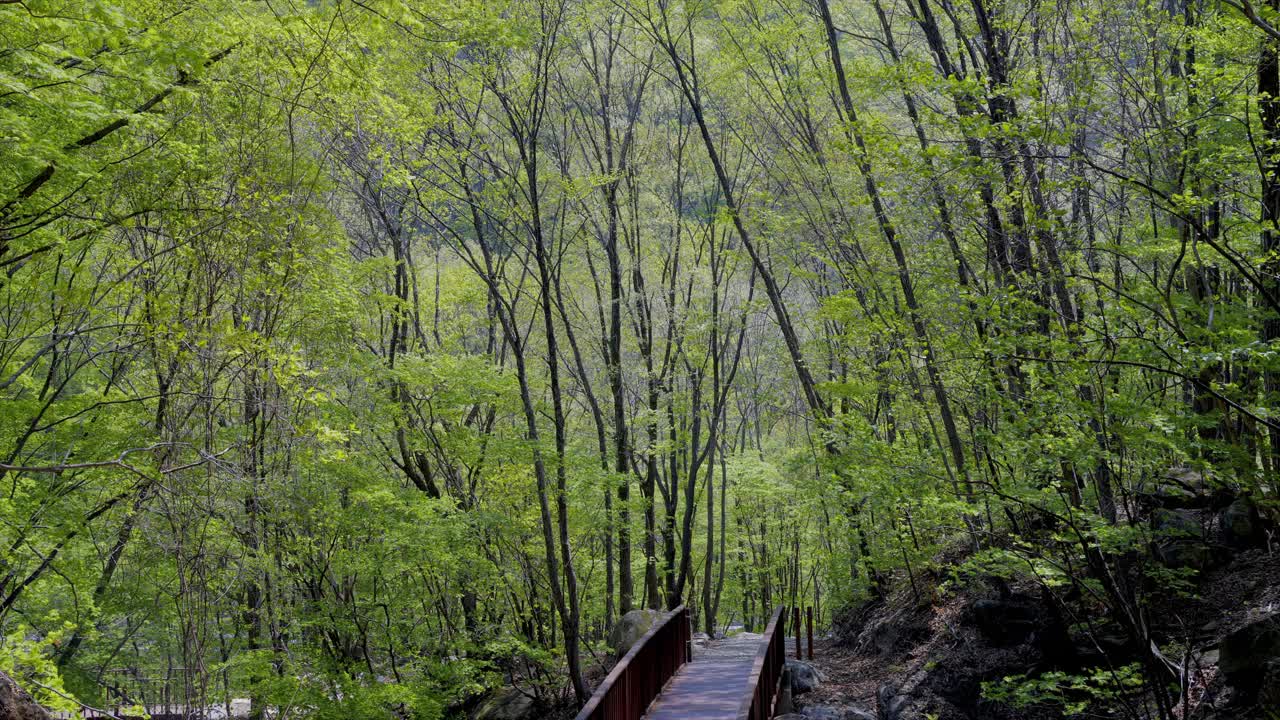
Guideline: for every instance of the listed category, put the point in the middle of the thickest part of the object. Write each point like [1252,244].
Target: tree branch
[34,185]
[1251,13]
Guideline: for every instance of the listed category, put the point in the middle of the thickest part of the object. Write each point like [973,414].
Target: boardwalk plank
[712,685]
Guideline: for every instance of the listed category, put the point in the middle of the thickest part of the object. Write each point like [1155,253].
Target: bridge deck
[712,685]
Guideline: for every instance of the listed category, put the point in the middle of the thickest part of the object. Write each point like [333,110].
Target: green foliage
[28,659]
[1074,694]
[273,350]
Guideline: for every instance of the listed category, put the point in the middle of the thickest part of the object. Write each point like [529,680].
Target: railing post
[809,622]
[687,645]
[795,616]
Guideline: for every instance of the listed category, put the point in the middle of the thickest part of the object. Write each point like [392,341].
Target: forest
[365,358]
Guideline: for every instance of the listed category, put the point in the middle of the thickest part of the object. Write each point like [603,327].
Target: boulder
[804,677]
[630,628]
[1183,543]
[1188,554]
[1251,653]
[506,704]
[1240,524]
[1177,523]
[1179,487]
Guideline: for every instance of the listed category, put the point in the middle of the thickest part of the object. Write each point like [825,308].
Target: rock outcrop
[1251,654]
[17,704]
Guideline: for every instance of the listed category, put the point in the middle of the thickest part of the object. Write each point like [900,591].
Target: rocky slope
[928,653]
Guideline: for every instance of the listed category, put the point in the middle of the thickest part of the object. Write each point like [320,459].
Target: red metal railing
[640,675]
[766,671]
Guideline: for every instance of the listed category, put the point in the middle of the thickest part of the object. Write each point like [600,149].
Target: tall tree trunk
[1269,112]
[570,613]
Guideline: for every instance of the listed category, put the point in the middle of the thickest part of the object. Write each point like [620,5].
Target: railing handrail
[680,613]
[750,709]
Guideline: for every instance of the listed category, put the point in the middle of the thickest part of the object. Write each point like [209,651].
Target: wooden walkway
[662,676]
[712,685]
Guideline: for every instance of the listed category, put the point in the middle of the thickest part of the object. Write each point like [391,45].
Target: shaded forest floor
[850,679]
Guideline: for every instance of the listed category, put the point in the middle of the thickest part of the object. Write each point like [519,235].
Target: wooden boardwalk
[712,685]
